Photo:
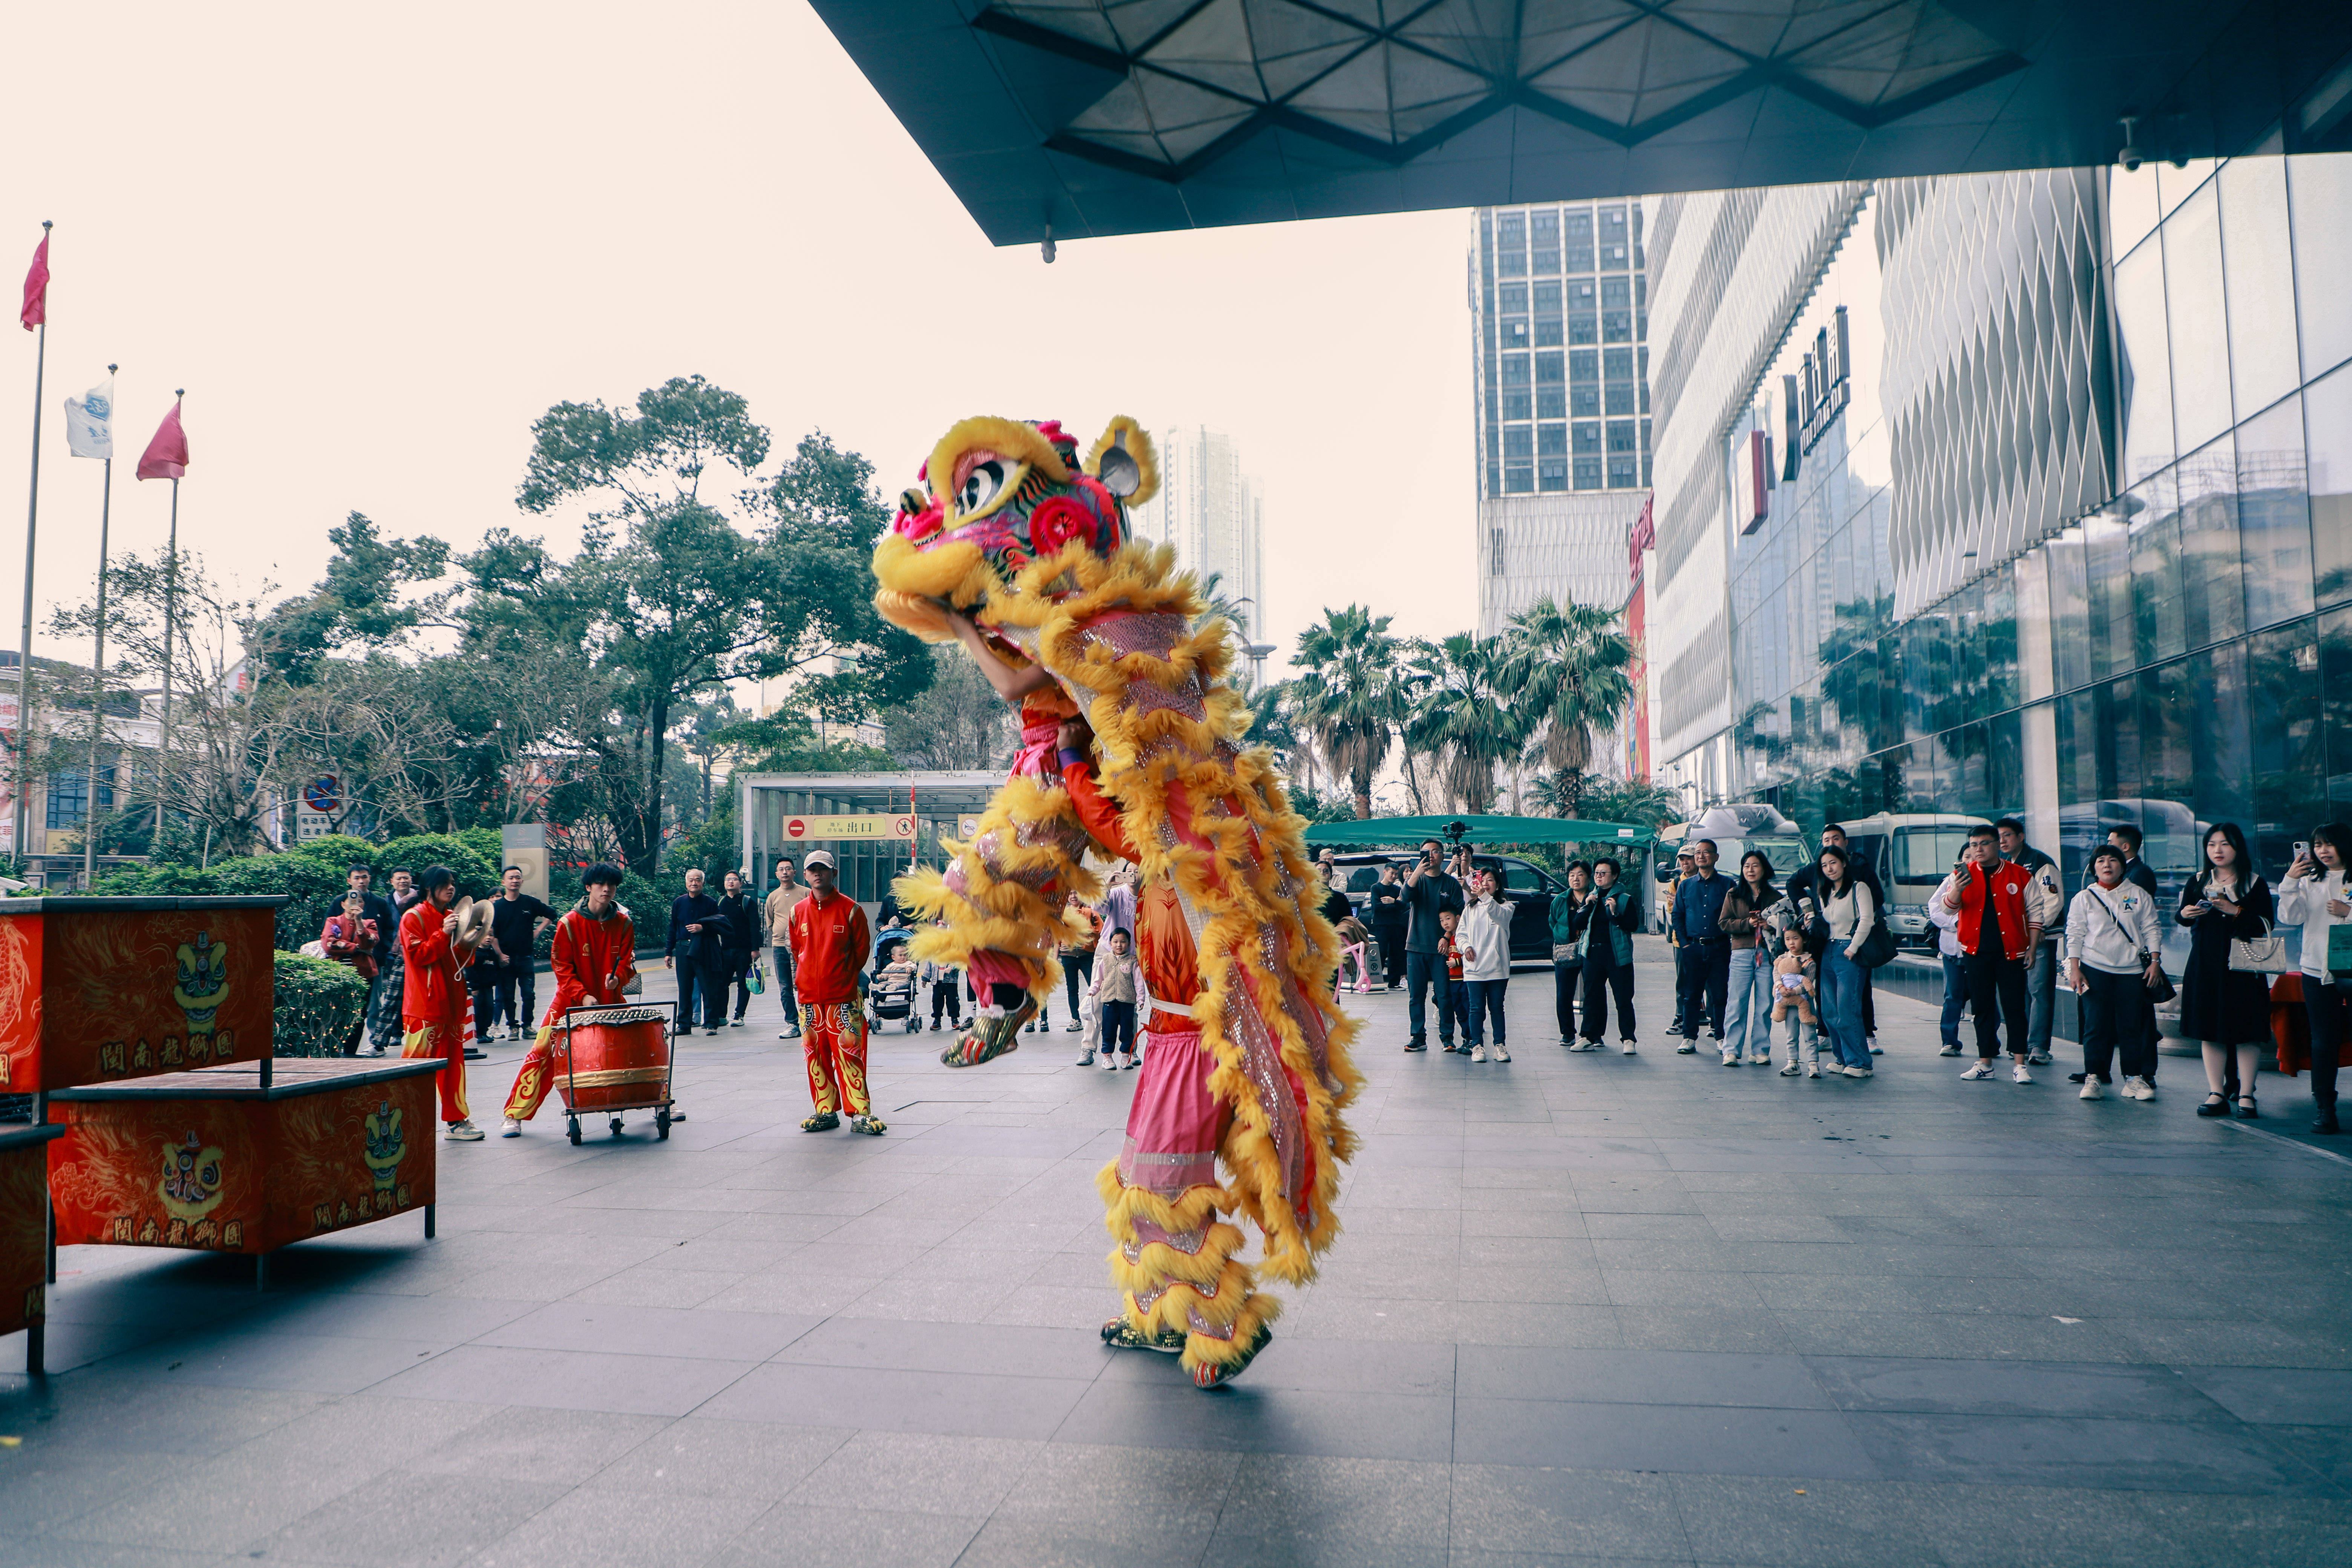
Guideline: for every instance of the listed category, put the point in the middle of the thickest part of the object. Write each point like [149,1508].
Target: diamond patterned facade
[1999,387]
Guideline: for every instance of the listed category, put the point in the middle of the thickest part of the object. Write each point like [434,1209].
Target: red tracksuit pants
[833,1038]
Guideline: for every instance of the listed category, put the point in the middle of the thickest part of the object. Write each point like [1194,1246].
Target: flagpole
[98,670]
[22,822]
[171,609]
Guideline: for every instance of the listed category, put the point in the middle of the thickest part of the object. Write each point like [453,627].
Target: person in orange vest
[830,942]
[594,958]
[433,1000]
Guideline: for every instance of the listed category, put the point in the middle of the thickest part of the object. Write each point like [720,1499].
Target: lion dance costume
[1248,1064]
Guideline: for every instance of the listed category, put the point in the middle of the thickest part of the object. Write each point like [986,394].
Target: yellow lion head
[999,497]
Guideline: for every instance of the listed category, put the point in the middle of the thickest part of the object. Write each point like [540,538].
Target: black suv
[1528,885]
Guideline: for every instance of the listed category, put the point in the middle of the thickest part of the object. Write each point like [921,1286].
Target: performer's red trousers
[833,1038]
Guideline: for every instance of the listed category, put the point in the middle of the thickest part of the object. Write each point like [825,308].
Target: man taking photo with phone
[1429,892]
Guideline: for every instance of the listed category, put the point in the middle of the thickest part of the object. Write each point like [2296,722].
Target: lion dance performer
[594,958]
[1129,740]
[433,1004]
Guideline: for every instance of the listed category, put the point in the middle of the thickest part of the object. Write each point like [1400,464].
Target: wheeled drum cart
[615,1060]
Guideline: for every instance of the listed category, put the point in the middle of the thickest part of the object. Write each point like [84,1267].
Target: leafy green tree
[1348,698]
[1570,669]
[958,723]
[358,605]
[673,599]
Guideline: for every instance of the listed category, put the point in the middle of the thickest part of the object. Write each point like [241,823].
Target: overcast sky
[374,244]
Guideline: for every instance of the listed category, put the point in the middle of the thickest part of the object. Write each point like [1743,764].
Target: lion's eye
[979,487]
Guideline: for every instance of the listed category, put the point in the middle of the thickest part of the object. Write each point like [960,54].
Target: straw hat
[472,923]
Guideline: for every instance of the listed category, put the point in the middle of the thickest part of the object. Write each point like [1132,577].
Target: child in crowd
[947,992]
[1795,981]
[1118,990]
[1351,955]
[1457,990]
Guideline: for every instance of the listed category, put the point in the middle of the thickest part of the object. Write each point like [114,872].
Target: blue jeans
[1841,983]
[1956,996]
[1747,1005]
[1423,970]
[1485,1001]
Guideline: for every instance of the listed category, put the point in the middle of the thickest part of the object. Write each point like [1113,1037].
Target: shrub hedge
[315,1004]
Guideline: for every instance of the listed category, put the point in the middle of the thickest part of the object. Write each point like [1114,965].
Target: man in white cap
[830,944]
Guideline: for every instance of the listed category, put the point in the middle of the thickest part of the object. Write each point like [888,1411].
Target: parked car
[1529,887]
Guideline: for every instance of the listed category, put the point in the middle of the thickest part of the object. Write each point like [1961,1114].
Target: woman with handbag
[1851,914]
[2314,897]
[1747,1004]
[2112,941]
[2225,995]
[1569,913]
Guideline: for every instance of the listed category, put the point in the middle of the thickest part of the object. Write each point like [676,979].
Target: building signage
[870,826]
[1751,479]
[1824,387]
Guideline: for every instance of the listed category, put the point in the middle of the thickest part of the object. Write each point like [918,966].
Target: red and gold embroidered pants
[446,1041]
[833,1038]
[535,1077]
[1174,1262]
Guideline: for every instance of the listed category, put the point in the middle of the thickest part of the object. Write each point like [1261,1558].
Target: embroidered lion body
[1036,549]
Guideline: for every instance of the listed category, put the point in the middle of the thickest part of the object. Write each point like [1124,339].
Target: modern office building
[1213,512]
[1559,313]
[2018,493]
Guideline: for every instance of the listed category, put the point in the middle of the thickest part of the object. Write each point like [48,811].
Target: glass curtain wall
[2181,657]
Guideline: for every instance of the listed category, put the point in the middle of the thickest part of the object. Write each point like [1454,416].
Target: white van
[1912,856]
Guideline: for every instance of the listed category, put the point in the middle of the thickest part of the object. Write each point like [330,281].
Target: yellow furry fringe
[998,913]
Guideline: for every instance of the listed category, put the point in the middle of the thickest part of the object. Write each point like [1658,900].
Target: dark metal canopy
[1095,116]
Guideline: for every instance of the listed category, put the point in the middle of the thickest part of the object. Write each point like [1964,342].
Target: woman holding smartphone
[2223,1010]
[2314,897]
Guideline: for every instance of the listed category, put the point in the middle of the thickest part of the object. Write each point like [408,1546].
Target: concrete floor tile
[1510,1509]
[566,1380]
[1719,1440]
[599,1524]
[401,1520]
[887,1400]
[525,1443]
[818,1535]
[2107,1454]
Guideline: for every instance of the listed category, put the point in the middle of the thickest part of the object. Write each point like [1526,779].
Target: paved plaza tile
[1588,1309]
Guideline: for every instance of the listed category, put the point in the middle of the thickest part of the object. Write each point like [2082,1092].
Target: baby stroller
[890,997]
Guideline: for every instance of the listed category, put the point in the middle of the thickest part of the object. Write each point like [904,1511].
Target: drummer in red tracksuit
[830,942]
[432,1003]
[594,958]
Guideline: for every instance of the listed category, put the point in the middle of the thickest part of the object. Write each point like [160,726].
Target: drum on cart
[615,1059]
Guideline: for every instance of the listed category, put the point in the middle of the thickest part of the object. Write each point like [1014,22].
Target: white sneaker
[512,1129]
[1580,1045]
[1789,1071]
[1629,1048]
[2138,1088]
[1857,1072]
[462,1133]
[1759,1059]
[1982,1070]
[1499,1054]
[1875,1049]
[2040,1059]
[1478,1053]
[2019,1075]
[2091,1089]
[1814,1069]
[1949,1051]
[1731,1058]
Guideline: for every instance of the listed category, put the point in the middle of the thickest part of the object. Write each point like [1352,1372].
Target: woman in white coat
[2314,897]
[2112,941]
[1483,940]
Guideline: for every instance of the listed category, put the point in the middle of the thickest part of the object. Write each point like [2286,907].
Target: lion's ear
[1124,461]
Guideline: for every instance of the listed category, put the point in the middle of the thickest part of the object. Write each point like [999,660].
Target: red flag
[166,457]
[37,286]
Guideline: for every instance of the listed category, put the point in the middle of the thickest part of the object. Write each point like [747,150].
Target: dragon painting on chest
[1129,745]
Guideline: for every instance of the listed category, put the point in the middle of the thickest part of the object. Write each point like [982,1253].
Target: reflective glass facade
[1561,305]
[2175,648]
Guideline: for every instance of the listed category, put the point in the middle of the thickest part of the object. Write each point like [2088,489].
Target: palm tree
[1348,700]
[1632,800]
[1569,665]
[1460,716]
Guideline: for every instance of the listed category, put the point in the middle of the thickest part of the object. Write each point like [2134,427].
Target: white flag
[90,422]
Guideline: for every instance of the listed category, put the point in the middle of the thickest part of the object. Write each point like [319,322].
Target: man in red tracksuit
[830,942]
[433,1000]
[594,958]
[1995,939]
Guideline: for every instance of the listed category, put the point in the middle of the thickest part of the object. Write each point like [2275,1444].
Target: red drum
[616,1058]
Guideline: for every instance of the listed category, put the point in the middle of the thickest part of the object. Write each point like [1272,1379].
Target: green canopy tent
[1408,831]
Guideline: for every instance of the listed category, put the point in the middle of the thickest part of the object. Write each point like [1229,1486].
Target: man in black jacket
[1388,923]
[1428,892]
[377,907]
[696,949]
[743,925]
[516,920]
